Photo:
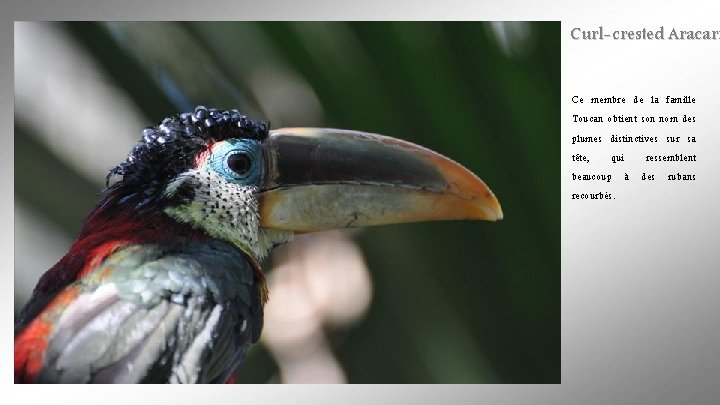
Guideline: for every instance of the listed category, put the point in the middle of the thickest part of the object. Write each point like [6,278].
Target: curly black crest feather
[170,148]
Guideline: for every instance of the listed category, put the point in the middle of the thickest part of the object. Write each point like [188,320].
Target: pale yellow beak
[319,179]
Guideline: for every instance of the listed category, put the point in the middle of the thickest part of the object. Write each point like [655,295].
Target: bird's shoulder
[147,273]
[153,313]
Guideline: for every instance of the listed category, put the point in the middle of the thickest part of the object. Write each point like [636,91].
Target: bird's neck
[104,233]
[109,227]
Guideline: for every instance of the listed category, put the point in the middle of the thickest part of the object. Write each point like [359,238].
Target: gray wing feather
[185,317]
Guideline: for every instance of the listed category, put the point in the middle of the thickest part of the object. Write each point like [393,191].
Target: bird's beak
[320,179]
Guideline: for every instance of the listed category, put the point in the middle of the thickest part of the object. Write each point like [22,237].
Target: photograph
[287,202]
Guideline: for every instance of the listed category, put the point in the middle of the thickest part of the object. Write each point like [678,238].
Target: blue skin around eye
[218,161]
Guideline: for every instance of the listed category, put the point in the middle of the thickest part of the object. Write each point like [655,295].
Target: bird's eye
[239,163]
[238,160]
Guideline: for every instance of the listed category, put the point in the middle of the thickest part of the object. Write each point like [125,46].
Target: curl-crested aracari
[163,282]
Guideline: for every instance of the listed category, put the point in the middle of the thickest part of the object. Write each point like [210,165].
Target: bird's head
[236,180]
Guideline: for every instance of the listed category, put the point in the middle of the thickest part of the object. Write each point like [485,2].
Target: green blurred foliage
[454,302]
